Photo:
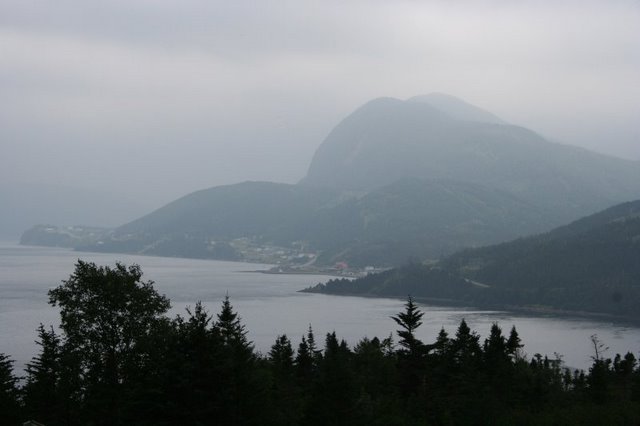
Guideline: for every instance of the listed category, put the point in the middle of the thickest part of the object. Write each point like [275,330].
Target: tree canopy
[201,369]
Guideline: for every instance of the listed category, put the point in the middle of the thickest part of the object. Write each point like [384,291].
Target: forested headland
[590,265]
[119,359]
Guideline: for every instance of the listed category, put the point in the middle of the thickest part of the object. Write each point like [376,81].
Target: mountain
[271,210]
[409,218]
[457,108]
[601,252]
[395,180]
[418,218]
[202,224]
[589,265]
[438,137]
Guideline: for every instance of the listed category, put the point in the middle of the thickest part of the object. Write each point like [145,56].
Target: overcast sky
[159,98]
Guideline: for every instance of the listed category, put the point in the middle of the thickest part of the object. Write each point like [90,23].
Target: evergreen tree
[316,353]
[409,321]
[245,391]
[287,401]
[411,364]
[599,379]
[335,390]
[375,366]
[465,346]
[304,364]
[495,348]
[307,359]
[231,329]
[514,344]
[43,394]
[465,366]
[281,356]
[191,372]
[443,344]
[9,402]
[627,365]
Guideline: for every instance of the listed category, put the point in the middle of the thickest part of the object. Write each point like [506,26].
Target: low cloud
[160,97]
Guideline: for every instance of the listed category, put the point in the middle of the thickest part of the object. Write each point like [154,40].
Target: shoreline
[329,272]
[541,311]
[319,273]
[531,309]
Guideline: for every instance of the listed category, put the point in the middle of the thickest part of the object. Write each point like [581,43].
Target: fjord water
[271,305]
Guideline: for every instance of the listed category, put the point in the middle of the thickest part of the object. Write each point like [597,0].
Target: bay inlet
[270,305]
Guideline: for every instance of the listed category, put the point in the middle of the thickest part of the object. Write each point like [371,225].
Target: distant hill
[594,261]
[202,223]
[589,265]
[270,210]
[409,218]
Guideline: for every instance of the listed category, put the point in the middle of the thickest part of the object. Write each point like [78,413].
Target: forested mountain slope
[592,264]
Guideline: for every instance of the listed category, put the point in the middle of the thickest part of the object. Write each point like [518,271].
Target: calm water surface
[270,305]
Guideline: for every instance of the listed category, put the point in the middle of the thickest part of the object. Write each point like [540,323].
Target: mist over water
[270,305]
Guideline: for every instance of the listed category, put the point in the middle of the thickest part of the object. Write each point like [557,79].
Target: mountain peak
[438,136]
[457,108]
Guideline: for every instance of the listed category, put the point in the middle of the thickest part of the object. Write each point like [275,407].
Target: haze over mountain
[589,265]
[457,108]
[396,180]
[440,137]
[164,98]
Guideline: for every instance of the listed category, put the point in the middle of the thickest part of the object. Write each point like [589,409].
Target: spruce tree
[335,390]
[281,355]
[304,364]
[287,400]
[514,344]
[9,403]
[231,329]
[316,353]
[409,321]
[243,389]
[443,343]
[43,397]
[495,348]
[192,369]
[465,346]
[411,365]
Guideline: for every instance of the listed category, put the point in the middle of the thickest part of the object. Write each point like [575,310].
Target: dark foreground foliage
[120,360]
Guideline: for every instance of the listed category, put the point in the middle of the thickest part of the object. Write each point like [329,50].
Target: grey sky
[160,98]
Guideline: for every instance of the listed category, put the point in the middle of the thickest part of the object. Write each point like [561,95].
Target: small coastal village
[298,258]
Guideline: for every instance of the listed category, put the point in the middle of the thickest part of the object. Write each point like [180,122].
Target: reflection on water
[270,305]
